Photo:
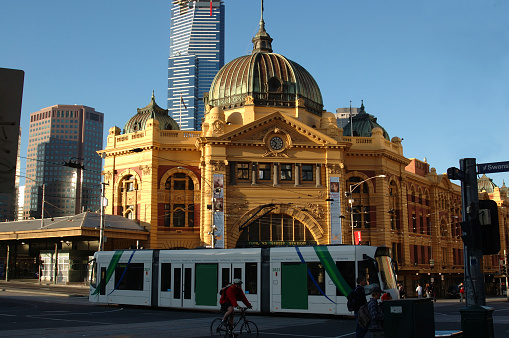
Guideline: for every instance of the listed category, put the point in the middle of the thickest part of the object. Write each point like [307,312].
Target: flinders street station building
[271,167]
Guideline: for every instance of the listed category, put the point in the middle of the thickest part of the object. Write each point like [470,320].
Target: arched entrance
[276,225]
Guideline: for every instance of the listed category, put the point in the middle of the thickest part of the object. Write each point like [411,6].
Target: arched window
[394,209]
[179,211]
[361,205]
[275,229]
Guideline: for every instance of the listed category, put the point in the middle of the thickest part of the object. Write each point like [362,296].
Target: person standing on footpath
[359,300]
[376,313]
[418,289]
[462,292]
[401,290]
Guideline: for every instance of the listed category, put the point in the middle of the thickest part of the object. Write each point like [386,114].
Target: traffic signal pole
[473,256]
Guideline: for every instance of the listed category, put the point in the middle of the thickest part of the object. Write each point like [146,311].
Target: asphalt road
[30,310]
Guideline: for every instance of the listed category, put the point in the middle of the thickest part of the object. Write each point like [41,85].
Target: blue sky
[435,72]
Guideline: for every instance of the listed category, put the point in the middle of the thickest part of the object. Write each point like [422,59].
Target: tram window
[367,268]
[166,277]
[318,273]
[93,277]
[187,283]
[176,283]
[237,273]
[225,277]
[347,270]
[129,276]
[251,283]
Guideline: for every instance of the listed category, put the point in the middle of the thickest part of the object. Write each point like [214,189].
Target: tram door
[182,285]
[228,272]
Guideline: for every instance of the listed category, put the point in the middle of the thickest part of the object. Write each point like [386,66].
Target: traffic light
[490,232]
[454,173]
[471,234]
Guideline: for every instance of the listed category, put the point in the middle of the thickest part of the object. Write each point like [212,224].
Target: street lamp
[350,200]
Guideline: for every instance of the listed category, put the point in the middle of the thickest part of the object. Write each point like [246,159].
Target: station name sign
[495,167]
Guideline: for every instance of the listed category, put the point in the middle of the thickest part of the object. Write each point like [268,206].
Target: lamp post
[101,227]
[213,210]
[350,200]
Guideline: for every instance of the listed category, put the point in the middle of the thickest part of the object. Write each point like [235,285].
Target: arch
[362,176]
[235,118]
[129,172]
[177,170]
[285,209]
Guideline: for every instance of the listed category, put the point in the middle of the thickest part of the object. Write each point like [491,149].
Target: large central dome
[269,78]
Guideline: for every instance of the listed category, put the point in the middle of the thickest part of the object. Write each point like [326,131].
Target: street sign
[495,167]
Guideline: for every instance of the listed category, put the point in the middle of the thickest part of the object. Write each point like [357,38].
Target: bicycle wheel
[249,329]
[217,329]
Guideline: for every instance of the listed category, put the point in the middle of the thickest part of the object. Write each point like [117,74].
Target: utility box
[409,318]
[477,322]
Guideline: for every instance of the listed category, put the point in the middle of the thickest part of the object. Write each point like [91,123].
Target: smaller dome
[152,111]
[362,125]
[485,184]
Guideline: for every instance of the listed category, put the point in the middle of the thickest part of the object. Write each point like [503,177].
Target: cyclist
[229,299]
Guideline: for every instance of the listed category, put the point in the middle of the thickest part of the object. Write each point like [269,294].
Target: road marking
[296,335]
[69,320]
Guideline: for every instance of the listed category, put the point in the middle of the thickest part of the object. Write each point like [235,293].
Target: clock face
[276,143]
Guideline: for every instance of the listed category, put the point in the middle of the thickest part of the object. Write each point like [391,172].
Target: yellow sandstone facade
[271,167]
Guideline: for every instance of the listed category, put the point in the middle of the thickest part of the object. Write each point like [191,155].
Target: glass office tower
[62,161]
[196,55]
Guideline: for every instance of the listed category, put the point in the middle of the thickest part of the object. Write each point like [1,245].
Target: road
[45,311]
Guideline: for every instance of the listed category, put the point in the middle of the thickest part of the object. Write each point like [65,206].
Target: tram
[305,279]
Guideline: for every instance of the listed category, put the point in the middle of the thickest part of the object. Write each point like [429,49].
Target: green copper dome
[151,111]
[269,78]
[362,125]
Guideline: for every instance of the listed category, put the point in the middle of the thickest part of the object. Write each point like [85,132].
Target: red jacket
[232,294]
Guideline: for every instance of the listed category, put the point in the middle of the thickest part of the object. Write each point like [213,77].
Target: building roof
[151,111]
[269,78]
[84,222]
[363,125]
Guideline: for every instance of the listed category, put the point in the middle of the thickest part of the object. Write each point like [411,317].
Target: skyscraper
[62,163]
[196,55]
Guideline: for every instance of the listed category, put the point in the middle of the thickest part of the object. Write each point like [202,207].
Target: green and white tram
[307,279]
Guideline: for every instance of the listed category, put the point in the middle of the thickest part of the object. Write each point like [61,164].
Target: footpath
[32,286]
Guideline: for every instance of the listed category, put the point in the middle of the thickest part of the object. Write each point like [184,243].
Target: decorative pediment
[257,132]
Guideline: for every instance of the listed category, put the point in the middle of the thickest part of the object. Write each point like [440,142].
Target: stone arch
[126,173]
[297,213]
[177,170]
[362,176]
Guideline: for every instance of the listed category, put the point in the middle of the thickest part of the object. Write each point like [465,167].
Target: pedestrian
[386,296]
[418,289]
[427,291]
[462,292]
[401,290]
[359,300]
[377,315]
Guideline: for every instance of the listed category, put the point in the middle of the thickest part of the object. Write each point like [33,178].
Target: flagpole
[351,120]
[180,111]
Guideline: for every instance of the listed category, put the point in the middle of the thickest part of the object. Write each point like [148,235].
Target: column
[275,175]
[254,166]
[318,175]
[297,174]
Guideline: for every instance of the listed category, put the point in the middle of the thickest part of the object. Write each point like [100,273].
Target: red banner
[358,237]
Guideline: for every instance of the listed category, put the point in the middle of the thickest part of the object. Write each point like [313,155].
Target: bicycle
[247,329]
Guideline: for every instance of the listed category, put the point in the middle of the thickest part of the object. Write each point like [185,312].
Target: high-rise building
[196,55]
[62,163]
